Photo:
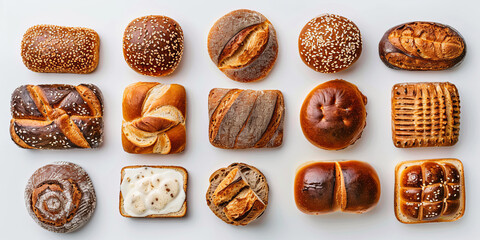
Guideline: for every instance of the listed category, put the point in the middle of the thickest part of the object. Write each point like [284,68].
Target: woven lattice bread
[154,118]
[429,191]
[425,114]
[57,116]
[57,49]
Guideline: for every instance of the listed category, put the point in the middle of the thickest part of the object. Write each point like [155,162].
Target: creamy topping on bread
[147,191]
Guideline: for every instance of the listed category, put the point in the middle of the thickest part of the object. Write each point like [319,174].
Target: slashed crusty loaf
[56,49]
[430,190]
[57,116]
[154,118]
[241,203]
[325,187]
[422,46]
[180,213]
[245,118]
[425,114]
[243,45]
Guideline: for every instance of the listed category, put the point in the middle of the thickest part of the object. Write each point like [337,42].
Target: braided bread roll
[57,116]
[60,197]
[154,118]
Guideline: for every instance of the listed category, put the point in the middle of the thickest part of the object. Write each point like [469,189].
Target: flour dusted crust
[60,197]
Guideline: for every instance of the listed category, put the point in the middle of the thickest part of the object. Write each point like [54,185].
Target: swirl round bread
[333,115]
[330,43]
[238,194]
[153,45]
[243,45]
[60,197]
[325,187]
[422,46]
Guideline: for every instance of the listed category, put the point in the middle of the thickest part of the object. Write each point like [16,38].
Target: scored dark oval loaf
[245,118]
[57,116]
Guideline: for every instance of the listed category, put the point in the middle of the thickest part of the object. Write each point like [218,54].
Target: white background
[198,74]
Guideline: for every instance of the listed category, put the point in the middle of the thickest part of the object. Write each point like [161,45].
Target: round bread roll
[243,45]
[238,194]
[325,187]
[153,45]
[60,197]
[333,115]
[330,43]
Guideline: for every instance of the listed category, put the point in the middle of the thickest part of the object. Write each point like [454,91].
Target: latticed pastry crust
[425,114]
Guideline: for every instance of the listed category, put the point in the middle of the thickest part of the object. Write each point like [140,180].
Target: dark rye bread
[245,118]
[256,181]
[57,116]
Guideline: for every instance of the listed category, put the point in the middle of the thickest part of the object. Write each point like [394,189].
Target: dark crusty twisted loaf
[245,118]
[57,116]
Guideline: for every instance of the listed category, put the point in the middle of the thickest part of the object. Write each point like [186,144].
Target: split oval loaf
[60,197]
[243,45]
[57,116]
[57,49]
[325,187]
[245,118]
[154,116]
[422,46]
[237,194]
[333,115]
[430,190]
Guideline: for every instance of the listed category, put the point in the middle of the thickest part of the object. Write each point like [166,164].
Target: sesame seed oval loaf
[57,49]
[238,194]
[57,116]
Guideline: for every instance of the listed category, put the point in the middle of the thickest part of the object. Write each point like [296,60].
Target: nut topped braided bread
[57,116]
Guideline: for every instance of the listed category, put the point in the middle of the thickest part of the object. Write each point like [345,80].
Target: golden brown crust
[333,115]
[154,118]
[422,46]
[181,213]
[425,114]
[57,49]
[153,45]
[243,45]
[431,190]
[330,43]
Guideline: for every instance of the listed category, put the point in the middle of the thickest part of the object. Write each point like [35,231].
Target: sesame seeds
[153,45]
[330,43]
[50,48]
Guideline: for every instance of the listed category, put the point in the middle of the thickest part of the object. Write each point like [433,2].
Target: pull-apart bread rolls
[422,46]
[425,114]
[238,194]
[429,191]
[56,49]
[60,197]
[57,116]
[333,115]
[154,118]
[153,191]
[325,187]
[245,118]
[243,45]
[153,45]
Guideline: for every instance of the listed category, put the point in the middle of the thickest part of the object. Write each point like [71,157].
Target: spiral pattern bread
[60,197]
[154,118]
[57,116]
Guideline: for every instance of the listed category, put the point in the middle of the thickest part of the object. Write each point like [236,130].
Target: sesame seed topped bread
[57,49]
[153,191]
[243,45]
[153,45]
[238,194]
[330,43]
[57,116]
[430,190]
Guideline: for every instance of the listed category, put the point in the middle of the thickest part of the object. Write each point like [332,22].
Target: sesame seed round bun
[330,43]
[153,45]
